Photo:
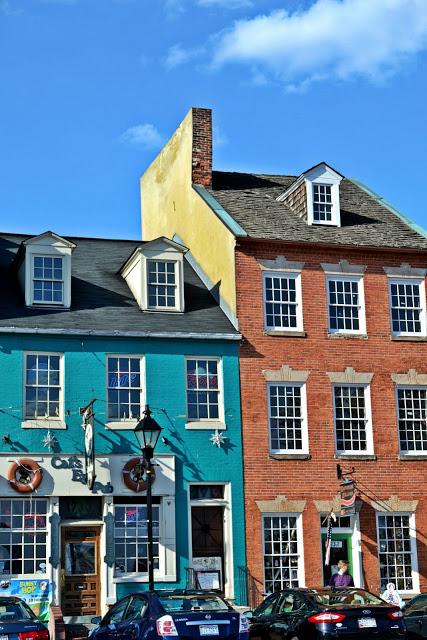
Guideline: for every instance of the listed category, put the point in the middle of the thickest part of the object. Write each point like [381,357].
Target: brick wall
[202,147]
[315,478]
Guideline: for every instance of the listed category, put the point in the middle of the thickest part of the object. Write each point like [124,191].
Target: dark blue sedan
[181,613]
[18,622]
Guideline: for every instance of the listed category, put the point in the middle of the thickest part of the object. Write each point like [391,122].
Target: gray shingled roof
[100,298]
[251,200]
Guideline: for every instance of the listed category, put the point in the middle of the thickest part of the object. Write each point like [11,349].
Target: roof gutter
[178,335]
[334,245]
[219,211]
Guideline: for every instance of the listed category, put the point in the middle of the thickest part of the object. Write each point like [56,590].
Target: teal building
[115,325]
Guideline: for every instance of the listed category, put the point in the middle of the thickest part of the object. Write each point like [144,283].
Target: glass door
[80,571]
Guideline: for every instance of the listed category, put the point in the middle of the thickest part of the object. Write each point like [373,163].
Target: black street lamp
[147,433]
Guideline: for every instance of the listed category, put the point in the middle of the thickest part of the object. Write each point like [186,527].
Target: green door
[341,549]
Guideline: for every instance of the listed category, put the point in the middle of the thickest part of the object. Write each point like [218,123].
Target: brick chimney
[202,147]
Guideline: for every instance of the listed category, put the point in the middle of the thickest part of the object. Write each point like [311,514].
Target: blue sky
[90,89]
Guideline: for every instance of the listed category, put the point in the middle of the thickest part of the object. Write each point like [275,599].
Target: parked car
[180,613]
[325,613]
[17,620]
[415,616]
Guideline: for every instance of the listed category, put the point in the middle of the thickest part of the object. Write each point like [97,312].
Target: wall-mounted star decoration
[49,440]
[218,439]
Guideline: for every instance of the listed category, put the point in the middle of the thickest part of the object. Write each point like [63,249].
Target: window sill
[416,457]
[288,334]
[121,425]
[289,456]
[355,456]
[419,338]
[205,425]
[338,334]
[132,577]
[43,424]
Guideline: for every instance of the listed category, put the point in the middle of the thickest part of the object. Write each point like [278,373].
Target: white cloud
[330,39]
[142,135]
[177,55]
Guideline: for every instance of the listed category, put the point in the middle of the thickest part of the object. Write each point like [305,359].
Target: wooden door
[80,584]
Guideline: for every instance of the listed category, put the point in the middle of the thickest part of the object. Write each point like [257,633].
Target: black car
[415,616]
[158,614]
[325,614]
[17,620]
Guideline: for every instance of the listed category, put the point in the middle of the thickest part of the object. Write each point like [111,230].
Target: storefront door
[341,549]
[80,584]
[207,529]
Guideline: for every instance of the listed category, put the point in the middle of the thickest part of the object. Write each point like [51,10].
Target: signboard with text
[37,594]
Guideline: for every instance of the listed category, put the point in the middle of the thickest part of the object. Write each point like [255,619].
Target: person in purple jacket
[342,578]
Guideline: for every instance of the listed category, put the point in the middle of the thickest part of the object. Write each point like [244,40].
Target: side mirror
[248,614]
[96,620]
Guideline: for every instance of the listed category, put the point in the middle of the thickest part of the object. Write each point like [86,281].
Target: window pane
[18,541]
[280,300]
[412,416]
[42,386]
[406,307]
[393,539]
[124,388]
[281,557]
[322,202]
[203,393]
[131,538]
[286,419]
[350,418]
[343,305]
[161,284]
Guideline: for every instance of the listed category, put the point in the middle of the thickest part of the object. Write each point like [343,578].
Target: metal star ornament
[218,439]
[49,440]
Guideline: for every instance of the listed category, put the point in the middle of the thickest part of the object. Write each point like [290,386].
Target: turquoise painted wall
[197,459]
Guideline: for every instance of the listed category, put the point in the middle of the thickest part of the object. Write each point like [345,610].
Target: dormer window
[45,270]
[155,275]
[48,280]
[322,203]
[162,284]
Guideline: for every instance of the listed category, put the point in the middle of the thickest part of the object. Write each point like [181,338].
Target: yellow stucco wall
[170,206]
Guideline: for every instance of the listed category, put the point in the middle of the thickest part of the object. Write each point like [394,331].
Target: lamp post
[147,432]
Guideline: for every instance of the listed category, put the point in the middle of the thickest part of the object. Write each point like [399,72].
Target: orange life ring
[28,482]
[129,475]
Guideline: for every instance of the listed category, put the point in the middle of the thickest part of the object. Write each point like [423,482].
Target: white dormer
[323,195]
[155,275]
[45,272]
[315,196]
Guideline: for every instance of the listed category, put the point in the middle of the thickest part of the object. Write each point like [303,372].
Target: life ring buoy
[129,472]
[30,475]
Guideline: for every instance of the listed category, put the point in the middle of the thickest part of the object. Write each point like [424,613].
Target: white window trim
[127,423]
[369,431]
[206,423]
[47,251]
[160,573]
[361,297]
[409,280]
[51,422]
[177,284]
[300,543]
[298,294]
[335,194]
[414,556]
[304,417]
[408,452]
[49,303]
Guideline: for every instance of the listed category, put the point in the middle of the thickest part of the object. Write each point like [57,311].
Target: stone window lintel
[281,504]
[280,264]
[410,378]
[285,374]
[349,376]
[344,267]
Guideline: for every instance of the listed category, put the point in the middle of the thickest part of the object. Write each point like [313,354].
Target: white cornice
[349,376]
[345,267]
[285,374]
[405,271]
[280,264]
[410,378]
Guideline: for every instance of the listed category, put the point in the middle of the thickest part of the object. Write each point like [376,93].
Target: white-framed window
[162,284]
[397,551]
[43,385]
[287,415]
[346,304]
[204,389]
[283,549]
[23,537]
[322,202]
[407,306]
[412,419]
[131,538]
[352,417]
[282,301]
[48,280]
[124,387]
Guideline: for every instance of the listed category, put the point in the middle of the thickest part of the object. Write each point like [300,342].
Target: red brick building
[330,300]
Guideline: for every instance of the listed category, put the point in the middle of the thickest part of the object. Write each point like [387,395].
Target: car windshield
[344,597]
[14,612]
[193,603]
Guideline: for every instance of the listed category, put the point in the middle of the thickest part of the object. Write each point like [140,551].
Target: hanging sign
[348,497]
[87,424]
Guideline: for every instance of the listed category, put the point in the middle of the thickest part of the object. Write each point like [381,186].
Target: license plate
[363,623]
[205,630]
[4,637]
